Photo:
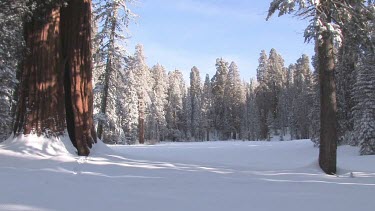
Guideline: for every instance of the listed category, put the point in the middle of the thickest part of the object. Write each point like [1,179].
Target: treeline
[135,103]
[150,104]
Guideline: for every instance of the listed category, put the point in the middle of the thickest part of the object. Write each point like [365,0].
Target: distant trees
[195,104]
[174,109]
[235,98]
[219,102]
[157,119]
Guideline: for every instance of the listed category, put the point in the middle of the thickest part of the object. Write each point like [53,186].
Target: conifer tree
[195,102]
[175,115]
[112,18]
[11,48]
[274,80]
[159,102]
[329,19]
[60,36]
[262,93]
[143,84]
[129,108]
[235,100]
[364,110]
[206,108]
[218,95]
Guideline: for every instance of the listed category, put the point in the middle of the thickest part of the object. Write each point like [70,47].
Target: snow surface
[43,174]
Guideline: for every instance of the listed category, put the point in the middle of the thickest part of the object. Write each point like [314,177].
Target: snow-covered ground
[40,174]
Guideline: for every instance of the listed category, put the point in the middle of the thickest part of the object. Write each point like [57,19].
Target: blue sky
[180,34]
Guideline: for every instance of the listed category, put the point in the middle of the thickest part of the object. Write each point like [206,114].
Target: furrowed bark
[76,42]
[40,107]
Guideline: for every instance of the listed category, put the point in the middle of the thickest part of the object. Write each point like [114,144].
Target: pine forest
[67,70]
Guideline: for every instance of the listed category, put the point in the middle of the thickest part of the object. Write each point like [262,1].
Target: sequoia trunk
[40,106]
[76,48]
[55,85]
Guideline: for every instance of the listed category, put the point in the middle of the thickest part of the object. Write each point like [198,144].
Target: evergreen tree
[144,88]
[129,109]
[262,69]
[274,80]
[302,102]
[11,48]
[220,108]
[159,102]
[195,102]
[262,96]
[364,110]
[329,19]
[60,36]
[112,17]
[252,117]
[175,116]
[235,101]
[206,109]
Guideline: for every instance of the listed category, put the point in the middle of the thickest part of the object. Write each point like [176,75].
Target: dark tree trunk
[76,42]
[141,123]
[141,119]
[328,122]
[55,89]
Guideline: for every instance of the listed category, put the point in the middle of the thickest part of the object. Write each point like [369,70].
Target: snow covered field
[45,175]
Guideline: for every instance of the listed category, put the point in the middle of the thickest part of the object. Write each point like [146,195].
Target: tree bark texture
[328,105]
[56,90]
[40,106]
[76,48]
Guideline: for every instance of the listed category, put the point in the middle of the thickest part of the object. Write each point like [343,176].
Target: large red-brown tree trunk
[40,106]
[76,48]
[56,90]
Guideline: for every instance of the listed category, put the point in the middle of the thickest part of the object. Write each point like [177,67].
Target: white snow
[40,174]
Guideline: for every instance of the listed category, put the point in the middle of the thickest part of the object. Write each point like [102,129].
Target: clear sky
[180,34]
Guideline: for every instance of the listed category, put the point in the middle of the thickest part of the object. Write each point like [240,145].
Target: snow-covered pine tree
[112,18]
[290,98]
[252,115]
[129,108]
[262,69]
[364,110]
[354,46]
[262,93]
[186,116]
[206,109]
[144,88]
[159,103]
[195,102]
[220,108]
[364,88]
[235,100]
[315,111]
[175,115]
[11,48]
[302,102]
[275,80]
[328,20]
